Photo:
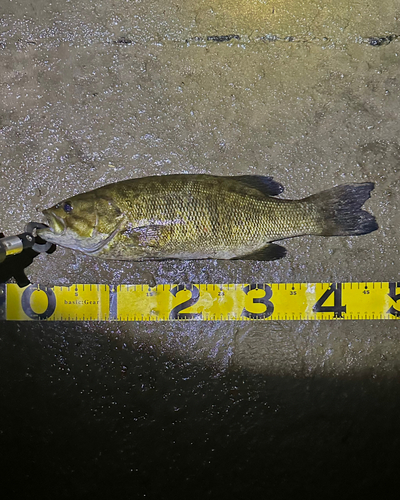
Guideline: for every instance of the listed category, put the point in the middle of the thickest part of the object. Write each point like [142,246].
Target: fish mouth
[56,223]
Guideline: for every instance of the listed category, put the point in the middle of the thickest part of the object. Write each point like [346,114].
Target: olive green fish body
[195,217]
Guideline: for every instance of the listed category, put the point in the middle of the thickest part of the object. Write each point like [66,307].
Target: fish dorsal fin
[262,183]
[269,252]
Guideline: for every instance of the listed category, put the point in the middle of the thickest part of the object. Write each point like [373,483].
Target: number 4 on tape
[337,308]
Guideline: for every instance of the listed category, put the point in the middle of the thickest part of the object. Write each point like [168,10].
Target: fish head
[84,222]
[76,215]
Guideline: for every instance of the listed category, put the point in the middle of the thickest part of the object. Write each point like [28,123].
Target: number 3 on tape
[269,306]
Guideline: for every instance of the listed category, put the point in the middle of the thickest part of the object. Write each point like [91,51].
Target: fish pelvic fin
[340,210]
[269,252]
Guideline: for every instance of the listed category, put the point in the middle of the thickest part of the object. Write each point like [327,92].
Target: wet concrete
[95,92]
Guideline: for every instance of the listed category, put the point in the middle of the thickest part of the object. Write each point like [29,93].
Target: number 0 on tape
[204,302]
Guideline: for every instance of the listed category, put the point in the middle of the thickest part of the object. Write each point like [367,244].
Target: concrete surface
[95,92]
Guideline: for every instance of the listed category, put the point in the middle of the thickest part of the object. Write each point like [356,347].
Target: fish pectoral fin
[152,236]
[269,252]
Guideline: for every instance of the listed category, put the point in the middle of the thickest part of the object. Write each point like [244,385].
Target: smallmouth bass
[201,217]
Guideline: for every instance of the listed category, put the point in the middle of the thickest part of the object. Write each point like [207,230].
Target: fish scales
[207,217]
[200,216]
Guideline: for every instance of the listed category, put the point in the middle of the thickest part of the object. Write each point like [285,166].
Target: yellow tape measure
[206,302]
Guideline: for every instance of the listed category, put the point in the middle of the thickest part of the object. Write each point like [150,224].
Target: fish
[189,216]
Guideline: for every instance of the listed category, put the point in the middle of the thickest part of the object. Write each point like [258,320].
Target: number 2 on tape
[176,312]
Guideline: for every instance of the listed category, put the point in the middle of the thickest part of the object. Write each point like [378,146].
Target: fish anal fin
[267,253]
[264,184]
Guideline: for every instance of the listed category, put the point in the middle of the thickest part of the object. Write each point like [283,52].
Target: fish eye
[67,207]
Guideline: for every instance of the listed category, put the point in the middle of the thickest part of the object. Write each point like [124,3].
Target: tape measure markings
[204,302]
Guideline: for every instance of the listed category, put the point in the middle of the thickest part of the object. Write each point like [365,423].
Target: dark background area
[85,416]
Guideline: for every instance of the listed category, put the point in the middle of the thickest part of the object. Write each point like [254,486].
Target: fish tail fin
[340,212]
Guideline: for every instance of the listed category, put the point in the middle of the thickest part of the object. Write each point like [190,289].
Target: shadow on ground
[86,417]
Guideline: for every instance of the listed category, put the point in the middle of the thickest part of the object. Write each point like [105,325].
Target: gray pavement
[308,92]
